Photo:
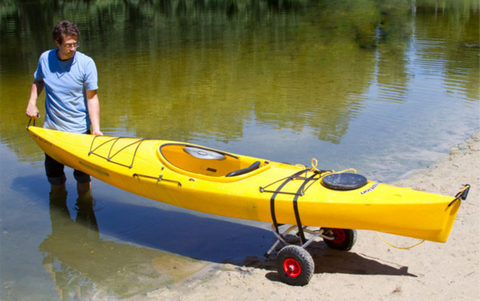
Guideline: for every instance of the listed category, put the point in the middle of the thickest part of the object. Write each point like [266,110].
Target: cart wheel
[344,239]
[294,265]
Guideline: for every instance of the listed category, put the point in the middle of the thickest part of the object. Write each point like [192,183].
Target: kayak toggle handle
[30,120]
[461,195]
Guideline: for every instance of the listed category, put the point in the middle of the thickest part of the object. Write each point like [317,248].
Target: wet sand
[372,270]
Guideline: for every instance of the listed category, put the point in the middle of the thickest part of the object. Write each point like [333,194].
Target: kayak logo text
[370,189]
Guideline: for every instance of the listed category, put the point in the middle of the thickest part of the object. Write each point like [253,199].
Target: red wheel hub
[292,267]
[339,235]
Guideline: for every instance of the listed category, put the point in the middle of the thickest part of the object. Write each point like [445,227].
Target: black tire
[295,265]
[344,239]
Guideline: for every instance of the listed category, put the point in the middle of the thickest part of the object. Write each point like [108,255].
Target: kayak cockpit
[208,162]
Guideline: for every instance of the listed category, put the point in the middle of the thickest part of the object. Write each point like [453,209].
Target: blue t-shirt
[65,86]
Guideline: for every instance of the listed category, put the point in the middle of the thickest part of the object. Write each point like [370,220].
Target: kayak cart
[294,263]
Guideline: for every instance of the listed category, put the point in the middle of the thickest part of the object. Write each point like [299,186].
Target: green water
[381,86]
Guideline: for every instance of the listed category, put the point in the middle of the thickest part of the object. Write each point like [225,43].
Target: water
[381,87]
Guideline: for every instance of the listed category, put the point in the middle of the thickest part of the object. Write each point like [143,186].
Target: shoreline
[470,143]
[372,269]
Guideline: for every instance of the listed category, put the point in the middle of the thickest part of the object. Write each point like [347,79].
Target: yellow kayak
[216,182]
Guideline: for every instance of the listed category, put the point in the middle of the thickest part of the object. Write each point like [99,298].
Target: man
[70,80]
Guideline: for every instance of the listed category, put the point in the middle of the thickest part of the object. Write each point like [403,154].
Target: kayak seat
[252,167]
[344,181]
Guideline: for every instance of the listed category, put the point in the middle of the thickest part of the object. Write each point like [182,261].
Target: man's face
[67,49]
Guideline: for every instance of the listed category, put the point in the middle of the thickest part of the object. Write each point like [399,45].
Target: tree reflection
[84,266]
[198,69]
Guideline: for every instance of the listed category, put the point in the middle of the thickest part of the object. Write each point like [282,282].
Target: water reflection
[102,249]
[201,70]
[86,267]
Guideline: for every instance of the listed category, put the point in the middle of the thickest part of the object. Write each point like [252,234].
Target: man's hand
[32,111]
[94,111]
[97,133]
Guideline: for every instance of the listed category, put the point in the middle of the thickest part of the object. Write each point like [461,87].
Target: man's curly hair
[63,29]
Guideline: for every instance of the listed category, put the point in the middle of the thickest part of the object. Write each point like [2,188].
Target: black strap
[277,191]
[295,207]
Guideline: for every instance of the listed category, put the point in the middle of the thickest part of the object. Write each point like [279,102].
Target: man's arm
[37,88]
[94,111]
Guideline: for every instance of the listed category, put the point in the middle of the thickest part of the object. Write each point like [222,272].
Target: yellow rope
[331,172]
[345,170]
[314,164]
[401,248]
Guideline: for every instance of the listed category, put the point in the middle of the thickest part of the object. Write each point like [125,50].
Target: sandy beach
[372,270]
